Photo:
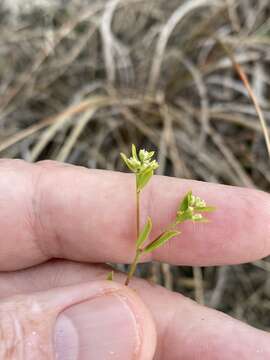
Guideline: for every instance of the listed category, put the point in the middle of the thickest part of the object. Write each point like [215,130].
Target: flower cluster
[191,207]
[142,165]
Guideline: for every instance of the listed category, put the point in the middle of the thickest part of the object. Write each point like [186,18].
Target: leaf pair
[155,244]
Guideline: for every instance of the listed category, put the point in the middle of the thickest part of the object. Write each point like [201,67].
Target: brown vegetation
[84,79]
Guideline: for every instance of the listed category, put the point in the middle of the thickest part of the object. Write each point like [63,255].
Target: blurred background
[81,80]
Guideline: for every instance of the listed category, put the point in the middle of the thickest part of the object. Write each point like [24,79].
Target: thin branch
[253,97]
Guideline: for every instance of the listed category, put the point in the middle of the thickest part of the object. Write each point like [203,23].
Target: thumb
[97,320]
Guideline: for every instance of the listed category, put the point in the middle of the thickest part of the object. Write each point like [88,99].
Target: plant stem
[137,213]
[133,266]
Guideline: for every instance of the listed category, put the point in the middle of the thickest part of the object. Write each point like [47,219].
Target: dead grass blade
[253,97]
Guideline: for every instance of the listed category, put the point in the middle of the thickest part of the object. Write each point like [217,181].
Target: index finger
[54,210]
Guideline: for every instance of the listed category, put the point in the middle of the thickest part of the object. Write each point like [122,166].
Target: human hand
[64,309]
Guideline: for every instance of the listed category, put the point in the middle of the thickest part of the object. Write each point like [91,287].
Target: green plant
[190,208]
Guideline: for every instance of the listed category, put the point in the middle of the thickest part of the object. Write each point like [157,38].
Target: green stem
[137,213]
[133,266]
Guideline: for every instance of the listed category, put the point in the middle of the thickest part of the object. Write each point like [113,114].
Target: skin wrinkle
[16,198]
[17,338]
[12,341]
[138,327]
[56,240]
[54,246]
[166,333]
[5,347]
[37,219]
[248,209]
[248,213]
[23,313]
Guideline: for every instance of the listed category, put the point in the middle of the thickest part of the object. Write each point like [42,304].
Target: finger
[98,320]
[185,329]
[52,210]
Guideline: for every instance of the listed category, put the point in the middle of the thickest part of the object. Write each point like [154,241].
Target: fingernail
[102,328]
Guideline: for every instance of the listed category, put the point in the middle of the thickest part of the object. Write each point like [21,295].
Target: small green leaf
[124,157]
[126,161]
[110,276]
[134,152]
[143,178]
[161,240]
[154,165]
[144,234]
[183,216]
[200,219]
[185,202]
[131,163]
[142,155]
[205,209]
[145,155]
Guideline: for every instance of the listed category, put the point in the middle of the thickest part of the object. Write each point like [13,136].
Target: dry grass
[80,81]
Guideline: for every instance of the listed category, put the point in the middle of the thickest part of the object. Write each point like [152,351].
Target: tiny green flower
[141,163]
[191,207]
[145,155]
[143,166]
[133,164]
[197,202]
[197,217]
